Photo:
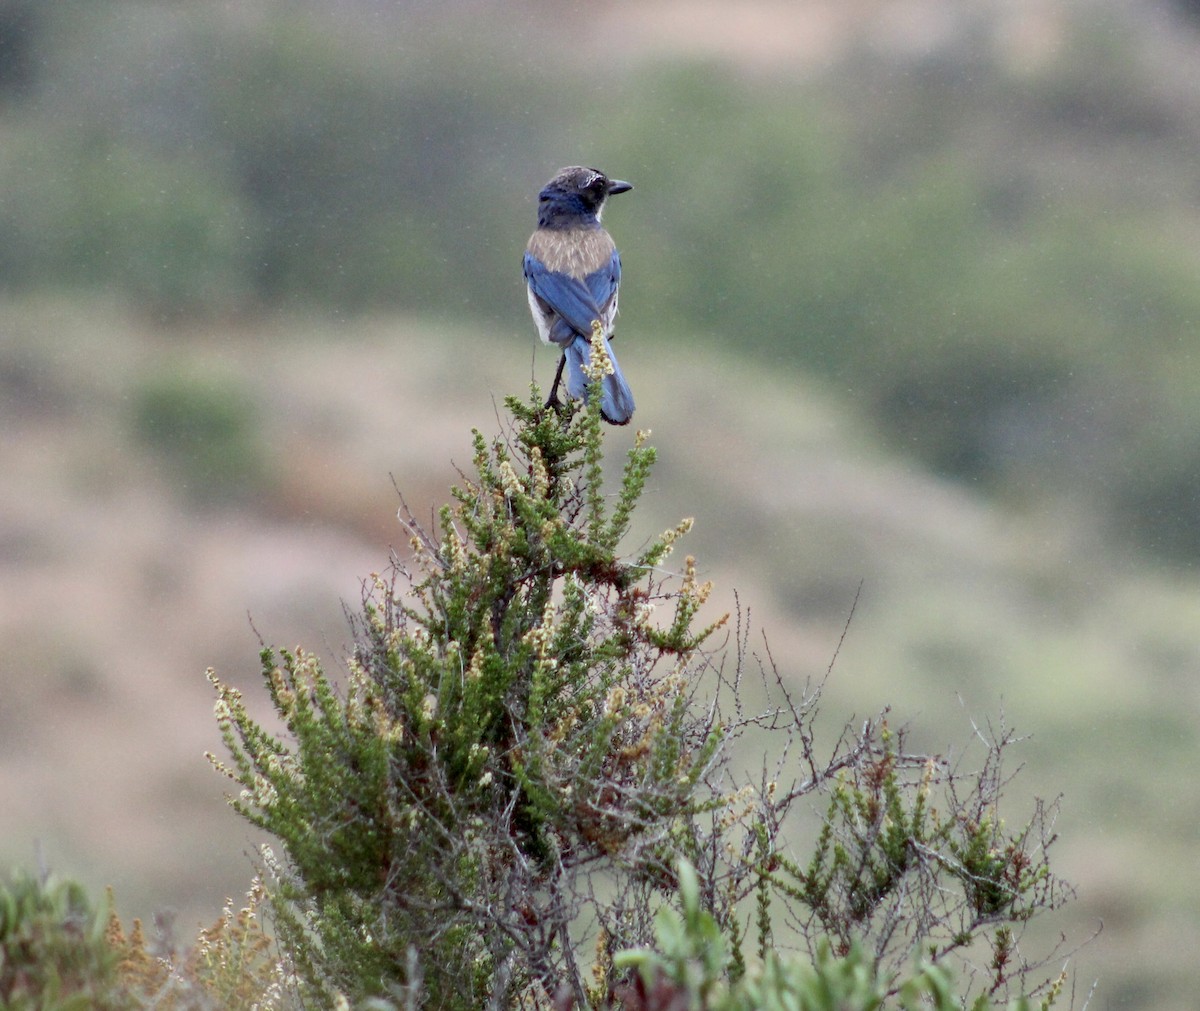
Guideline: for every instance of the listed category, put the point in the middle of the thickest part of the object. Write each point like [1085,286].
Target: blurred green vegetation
[995,261]
[206,429]
[54,955]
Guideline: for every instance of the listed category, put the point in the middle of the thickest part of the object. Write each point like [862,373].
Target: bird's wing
[571,299]
[602,284]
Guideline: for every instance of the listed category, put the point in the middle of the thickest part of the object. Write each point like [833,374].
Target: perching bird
[573,269]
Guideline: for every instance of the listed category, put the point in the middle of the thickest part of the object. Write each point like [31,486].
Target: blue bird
[572,269]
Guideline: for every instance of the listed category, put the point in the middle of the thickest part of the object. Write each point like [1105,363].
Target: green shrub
[54,954]
[689,967]
[532,733]
[513,726]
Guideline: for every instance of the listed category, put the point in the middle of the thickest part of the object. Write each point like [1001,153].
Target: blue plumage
[573,271]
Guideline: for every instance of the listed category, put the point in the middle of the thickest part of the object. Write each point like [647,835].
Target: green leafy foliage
[926,863]
[59,952]
[532,733]
[513,723]
[690,966]
[54,955]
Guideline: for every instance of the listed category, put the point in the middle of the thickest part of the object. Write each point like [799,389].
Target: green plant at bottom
[689,966]
[913,855]
[54,953]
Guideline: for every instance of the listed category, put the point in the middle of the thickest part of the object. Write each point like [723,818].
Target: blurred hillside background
[911,301]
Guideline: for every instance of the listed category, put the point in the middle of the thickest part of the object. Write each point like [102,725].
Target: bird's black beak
[618,186]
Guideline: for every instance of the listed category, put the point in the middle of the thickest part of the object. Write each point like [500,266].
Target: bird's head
[576,193]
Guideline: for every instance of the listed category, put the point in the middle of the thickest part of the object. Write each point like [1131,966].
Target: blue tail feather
[616,403]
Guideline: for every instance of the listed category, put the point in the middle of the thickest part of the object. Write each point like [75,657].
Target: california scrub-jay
[573,269]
